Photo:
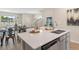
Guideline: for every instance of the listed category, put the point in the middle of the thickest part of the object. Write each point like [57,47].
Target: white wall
[7,14]
[59,15]
[27,19]
[19,19]
[46,13]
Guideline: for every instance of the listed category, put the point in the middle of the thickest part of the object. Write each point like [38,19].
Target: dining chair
[2,38]
[22,29]
[11,34]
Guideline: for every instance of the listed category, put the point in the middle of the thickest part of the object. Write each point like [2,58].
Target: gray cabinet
[62,43]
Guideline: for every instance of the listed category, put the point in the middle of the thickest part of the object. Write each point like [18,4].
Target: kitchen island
[45,40]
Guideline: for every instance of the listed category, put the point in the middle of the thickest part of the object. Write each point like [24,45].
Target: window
[7,18]
[49,21]
[7,21]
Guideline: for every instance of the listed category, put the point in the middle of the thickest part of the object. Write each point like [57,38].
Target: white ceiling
[22,10]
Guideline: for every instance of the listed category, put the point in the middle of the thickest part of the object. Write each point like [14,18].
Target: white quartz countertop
[36,40]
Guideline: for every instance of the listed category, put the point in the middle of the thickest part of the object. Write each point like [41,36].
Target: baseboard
[75,41]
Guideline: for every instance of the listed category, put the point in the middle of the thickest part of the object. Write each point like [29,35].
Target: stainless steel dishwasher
[53,45]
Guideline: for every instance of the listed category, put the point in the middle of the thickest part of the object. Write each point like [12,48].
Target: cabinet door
[68,41]
[62,42]
[62,45]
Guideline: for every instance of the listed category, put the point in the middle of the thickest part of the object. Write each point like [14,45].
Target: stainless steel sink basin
[58,31]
